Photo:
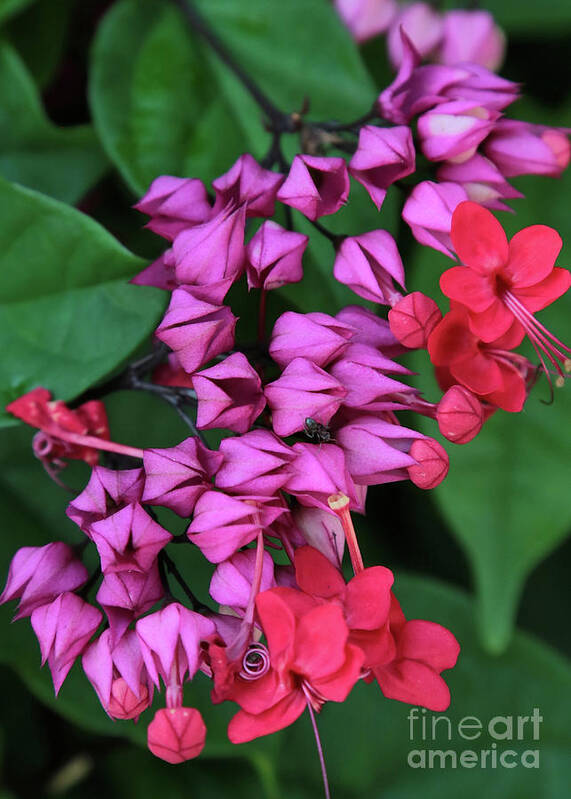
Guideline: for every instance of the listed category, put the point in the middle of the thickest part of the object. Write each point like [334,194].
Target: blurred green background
[98,98]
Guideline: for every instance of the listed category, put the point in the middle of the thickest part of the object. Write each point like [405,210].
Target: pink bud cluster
[446,38]
[309,420]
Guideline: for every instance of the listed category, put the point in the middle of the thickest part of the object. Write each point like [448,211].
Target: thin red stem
[97,443]
[339,503]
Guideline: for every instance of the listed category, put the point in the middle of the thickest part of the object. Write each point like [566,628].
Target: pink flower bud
[482,87]
[229,395]
[303,390]
[372,457]
[431,463]
[124,704]
[254,463]
[472,36]
[128,540]
[37,575]
[363,371]
[170,643]
[522,148]
[125,595]
[316,185]
[428,211]
[118,674]
[315,336]
[160,274]
[383,156]
[416,88]
[452,131]
[176,734]
[108,490]
[222,524]
[370,330]
[174,204]
[459,415]
[366,18]
[196,330]
[482,180]
[423,26]
[177,476]
[413,318]
[249,184]
[63,628]
[212,252]
[368,264]
[231,582]
[274,257]
[318,471]
[323,531]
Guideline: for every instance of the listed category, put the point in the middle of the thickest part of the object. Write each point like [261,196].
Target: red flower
[501,284]
[488,369]
[405,657]
[308,660]
[55,419]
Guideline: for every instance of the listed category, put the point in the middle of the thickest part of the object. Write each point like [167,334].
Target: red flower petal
[532,255]
[413,682]
[513,394]
[478,238]
[320,642]
[542,294]
[337,687]
[452,340]
[430,643]
[176,734]
[368,598]
[256,696]
[316,575]
[472,290]
[481,374]
[245,727]
[278,623]
[492,323]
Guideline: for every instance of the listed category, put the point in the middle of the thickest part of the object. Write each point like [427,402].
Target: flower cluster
[308,414]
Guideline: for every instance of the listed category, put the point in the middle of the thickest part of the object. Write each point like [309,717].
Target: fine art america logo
[506,740]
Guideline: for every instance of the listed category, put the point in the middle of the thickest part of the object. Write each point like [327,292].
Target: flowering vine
[310,411]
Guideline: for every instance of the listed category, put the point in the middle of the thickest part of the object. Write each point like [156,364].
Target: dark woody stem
[336,239]
[279,121]
[166,564]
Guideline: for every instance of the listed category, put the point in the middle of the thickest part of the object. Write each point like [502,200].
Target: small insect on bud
[317,432]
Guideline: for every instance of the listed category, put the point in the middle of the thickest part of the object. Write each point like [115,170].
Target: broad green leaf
[61,162]
[506,497]
[27,32]
[153,99]
[293,51]
[67,314]
[10,7]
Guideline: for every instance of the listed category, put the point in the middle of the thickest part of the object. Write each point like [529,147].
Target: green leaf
[153,99]
[10,7]
[506,495]
[27,32]
[67,314]
[293,50]
[367,739]
[529,17]
[61,162]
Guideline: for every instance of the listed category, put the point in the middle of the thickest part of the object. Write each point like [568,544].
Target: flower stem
[339,503]
[279,121]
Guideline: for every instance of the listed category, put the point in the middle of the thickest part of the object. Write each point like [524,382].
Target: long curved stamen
[318,744]
[245,633]
[541,338]
[255,663]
